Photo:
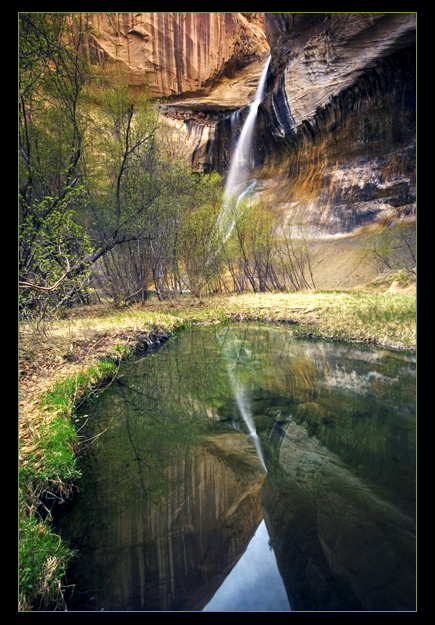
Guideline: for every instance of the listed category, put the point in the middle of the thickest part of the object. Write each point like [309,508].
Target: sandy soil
[336,264]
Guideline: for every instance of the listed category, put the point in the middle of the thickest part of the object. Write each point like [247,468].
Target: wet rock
[336,129]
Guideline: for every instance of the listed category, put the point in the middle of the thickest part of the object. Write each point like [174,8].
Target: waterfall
[236,188]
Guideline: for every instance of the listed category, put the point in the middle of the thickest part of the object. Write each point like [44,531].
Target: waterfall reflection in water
[234,358]
[173,494]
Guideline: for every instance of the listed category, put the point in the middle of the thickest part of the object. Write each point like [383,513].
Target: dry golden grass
[387,319]
[384,319]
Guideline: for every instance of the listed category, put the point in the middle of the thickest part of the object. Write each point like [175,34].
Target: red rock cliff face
[178,52]
[336,128]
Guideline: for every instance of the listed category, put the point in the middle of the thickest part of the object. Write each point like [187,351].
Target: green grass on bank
[44,558]
[48,437]
[383,319]
[50,468]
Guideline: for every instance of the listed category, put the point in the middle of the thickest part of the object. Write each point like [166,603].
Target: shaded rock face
[318,56]
[342,110]
[336,129]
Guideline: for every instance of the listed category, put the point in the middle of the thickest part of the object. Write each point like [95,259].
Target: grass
[53,458]
[384,319]
[73,356]
[47,474]
[57,369]
[43,561]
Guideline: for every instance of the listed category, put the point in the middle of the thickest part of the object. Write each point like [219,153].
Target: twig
[91,440]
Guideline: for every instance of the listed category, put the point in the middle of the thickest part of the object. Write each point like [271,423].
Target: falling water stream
[236,187]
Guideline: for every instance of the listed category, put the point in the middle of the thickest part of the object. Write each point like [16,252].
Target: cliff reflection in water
[174,489]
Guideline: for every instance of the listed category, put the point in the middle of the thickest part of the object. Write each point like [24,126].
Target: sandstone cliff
[335,134]
[178,53]
[336,130]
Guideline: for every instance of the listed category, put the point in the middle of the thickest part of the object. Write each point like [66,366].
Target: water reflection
[175,492]
[237,355]
[255,584]
[341,546]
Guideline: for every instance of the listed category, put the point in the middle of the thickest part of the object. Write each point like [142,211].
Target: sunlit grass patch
[386,319]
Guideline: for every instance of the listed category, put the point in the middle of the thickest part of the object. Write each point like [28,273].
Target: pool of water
[243,469]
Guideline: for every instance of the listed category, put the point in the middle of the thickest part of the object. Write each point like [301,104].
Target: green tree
[198,242]
[140,182]
[53,238]
[98,169]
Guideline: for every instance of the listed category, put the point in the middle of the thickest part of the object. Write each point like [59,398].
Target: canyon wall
[337,127]
[335,133]
[180,53]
